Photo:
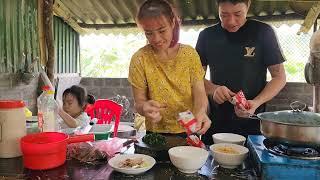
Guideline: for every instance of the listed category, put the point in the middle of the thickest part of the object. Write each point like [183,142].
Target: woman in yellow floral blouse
[166,76]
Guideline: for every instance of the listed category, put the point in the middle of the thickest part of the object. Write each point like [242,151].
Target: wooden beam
[310,18]
[60,10]
[42,41]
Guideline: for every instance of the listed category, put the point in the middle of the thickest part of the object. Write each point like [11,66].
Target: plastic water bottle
[47,111]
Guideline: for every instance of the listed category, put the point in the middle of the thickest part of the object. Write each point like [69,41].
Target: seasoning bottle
[47,111]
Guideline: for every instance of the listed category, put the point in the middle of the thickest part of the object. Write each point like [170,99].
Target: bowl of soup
[229,155]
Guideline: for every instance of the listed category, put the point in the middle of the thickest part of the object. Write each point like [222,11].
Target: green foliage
[112,58]
[108,59]
[295,71]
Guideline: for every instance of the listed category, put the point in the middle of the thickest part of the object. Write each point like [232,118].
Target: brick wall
[103,88]
[108,87]
[17,87]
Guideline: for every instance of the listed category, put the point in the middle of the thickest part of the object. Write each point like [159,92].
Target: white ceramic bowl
[228,138]
[188,159]
[116,161]
[229,155]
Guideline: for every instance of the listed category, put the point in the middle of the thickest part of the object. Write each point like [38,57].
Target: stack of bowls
[228,150]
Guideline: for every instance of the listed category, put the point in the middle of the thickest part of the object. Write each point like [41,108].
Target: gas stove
[271,164]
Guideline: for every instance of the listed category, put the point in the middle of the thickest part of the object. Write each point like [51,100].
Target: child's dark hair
[91,99]
[234,1]
[81,95]
[157,8]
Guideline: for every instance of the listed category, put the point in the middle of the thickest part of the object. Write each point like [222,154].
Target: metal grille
[296,51]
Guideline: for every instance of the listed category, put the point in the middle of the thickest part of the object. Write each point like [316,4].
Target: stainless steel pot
[295,127]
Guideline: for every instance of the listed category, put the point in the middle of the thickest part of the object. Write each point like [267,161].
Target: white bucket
[12,127]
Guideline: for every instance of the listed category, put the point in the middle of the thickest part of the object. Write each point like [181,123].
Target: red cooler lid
[11,104]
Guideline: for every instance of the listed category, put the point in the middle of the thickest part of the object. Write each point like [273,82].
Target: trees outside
[109,55]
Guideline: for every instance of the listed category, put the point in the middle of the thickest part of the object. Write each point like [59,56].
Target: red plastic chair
[105,111]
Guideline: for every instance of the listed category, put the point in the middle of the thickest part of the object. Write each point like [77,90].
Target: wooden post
[48,28]
[42,40]
[316,85]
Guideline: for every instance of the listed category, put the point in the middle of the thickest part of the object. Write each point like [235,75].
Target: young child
[75,100]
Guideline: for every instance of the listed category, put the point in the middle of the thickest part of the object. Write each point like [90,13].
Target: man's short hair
[233,1]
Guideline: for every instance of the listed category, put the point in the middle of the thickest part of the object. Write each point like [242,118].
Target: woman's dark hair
[157,8]
[81,95]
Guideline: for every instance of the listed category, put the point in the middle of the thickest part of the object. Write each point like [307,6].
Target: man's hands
[222,94]
[151,109]
[245,113]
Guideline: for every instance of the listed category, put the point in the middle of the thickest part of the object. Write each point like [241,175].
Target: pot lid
[289,117]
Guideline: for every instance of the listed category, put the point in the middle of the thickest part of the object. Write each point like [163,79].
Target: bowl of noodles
[229,155]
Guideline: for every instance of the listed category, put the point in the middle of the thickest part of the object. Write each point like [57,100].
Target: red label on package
[188,121]
[193,140]
[240,101]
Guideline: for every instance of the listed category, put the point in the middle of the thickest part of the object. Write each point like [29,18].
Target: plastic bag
[93,152]
[85,152]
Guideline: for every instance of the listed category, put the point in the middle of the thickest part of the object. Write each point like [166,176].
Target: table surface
[73,169]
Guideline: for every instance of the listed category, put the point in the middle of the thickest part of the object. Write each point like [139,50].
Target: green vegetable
[154,139]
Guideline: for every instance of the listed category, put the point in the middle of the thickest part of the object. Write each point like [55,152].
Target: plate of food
[132,163]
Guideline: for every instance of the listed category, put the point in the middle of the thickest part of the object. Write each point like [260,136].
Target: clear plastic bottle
[47,111]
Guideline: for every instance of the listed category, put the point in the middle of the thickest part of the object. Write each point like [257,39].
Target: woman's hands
[151,109]
[203,122]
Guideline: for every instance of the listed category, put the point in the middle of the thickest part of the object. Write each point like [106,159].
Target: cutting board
[125,131]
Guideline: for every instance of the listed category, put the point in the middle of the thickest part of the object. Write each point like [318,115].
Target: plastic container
[49,149]
[101,131]
[12,127]
[47,112]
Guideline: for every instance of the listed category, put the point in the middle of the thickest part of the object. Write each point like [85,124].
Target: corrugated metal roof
[90,15]
[67,50]
[19,45]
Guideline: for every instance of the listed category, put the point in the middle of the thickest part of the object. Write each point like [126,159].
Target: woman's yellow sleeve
[137,76]
[196,70]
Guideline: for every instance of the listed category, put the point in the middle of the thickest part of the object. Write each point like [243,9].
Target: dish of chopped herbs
[154,139]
